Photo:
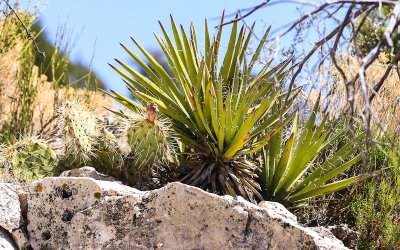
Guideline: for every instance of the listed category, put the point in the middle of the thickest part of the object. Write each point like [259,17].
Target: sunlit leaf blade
[229,53]
[326,189]
[258,50]
[221,132]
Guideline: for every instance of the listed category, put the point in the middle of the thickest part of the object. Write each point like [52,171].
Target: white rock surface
[6,242]
[87,172]
[277,208]
[20,238]
[83,213]
[10,211]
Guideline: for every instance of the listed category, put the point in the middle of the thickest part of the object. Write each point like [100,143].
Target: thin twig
[395,61]
[245,15]
[47,123]
[26,30]
[335,45]
[316,46]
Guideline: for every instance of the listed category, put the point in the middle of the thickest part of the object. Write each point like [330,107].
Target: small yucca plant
[295,174]
[218,113]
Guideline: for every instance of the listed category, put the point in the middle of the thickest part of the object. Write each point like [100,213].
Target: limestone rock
[83,213]
[345,234]
[54,202]
[10,211]
[6,242]
[87,172]
[277,208]
[20,238]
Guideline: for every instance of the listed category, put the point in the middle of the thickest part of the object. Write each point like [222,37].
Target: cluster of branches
[349,18]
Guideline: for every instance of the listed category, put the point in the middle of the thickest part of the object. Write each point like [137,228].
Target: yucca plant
[295,174]
[218,110]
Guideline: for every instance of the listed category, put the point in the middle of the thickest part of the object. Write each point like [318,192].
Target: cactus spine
[29,159]
[84,141]
[77,130]
[147,138]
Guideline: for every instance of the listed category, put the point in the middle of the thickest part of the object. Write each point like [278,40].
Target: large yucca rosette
[217,106]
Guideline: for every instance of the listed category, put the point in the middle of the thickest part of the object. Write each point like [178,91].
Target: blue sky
[101,25]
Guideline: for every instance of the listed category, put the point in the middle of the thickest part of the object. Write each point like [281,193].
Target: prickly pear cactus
[107,155]
[77,133]
[29,159]
[147,138]
[85,141]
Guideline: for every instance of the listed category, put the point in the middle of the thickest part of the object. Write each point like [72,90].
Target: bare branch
[245,15]
[394,62]
[335,45]
[316,46]
[26,29]
[364,2]
[373,54]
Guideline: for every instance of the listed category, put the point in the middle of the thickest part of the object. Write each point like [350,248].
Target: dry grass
[46,96]
[49,98]
[385,104]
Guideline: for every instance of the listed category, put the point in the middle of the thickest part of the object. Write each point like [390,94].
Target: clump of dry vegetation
[371,208]
[385,104]
[27,99]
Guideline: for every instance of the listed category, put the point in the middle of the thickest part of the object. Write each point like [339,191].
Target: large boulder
[83,213]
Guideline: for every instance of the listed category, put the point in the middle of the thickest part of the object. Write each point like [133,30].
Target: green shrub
[376,206]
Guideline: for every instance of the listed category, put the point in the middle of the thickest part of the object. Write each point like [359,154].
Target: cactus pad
[77,130]
[29,159]
[147,138]
[107,156]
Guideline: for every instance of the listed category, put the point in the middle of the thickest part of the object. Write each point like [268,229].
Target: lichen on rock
[83,213]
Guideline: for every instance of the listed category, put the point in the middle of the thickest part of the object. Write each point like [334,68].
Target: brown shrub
[385,104]
[46,96]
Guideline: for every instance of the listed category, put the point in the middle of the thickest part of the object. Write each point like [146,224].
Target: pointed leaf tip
[134,40]
[123,46]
